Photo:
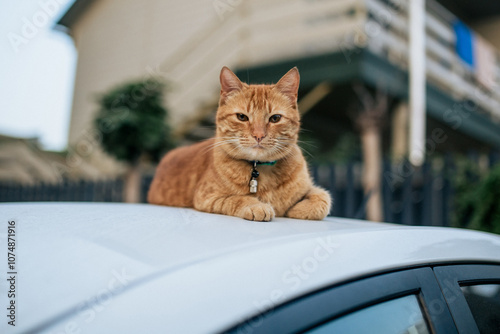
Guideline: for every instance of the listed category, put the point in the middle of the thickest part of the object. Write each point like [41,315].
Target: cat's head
[258,122]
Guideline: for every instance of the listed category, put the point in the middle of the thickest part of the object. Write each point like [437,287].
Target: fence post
[350,193]
[427,199]
[407,214]
[447,190]
[333,189]
[387,192]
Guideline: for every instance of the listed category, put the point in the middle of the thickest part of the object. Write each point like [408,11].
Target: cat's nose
[259,136]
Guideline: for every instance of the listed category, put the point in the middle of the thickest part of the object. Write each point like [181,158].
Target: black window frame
[451,278]
[317,308]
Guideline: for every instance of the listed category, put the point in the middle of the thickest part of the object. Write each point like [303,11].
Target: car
[139,268]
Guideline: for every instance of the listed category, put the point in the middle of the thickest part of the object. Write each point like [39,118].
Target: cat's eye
[242,117]
[275,118]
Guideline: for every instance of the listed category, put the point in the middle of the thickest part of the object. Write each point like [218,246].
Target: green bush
[132,121]
[477,198]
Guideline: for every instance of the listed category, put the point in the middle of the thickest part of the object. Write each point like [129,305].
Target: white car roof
[134,268]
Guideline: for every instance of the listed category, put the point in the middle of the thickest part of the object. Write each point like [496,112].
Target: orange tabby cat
[253,168]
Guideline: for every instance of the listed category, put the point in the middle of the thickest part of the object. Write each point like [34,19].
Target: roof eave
[74,12]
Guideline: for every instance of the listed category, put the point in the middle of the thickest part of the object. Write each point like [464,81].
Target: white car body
[122,268]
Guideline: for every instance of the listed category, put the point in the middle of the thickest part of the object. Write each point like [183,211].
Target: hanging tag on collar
[253,181]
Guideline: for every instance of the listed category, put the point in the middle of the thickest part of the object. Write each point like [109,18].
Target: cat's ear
[229,83]
[289,84]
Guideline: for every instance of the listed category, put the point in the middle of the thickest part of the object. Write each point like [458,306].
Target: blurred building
[23,161]
[334,43]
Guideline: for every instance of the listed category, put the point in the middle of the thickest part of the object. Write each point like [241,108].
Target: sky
[37,66]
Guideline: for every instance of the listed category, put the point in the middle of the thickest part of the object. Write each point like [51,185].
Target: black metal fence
[412,196]
[81,191]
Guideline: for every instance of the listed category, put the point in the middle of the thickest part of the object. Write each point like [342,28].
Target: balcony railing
[262,31]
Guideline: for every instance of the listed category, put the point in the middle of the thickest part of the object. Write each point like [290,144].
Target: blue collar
[267,163]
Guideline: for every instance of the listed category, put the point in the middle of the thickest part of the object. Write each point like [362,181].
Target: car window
[484,303]
[406,301]
[398,316]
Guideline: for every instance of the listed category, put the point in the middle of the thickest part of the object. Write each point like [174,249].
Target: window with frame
[398,316]
[484,304]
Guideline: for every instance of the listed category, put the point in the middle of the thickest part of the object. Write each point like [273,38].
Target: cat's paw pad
[260,212]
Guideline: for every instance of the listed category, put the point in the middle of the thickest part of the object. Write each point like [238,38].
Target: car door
[462,298]
[406,301]
[472,293]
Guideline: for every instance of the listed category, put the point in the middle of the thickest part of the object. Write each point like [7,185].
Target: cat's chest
[280,185]
[271,180]
[267,178]
[281,192]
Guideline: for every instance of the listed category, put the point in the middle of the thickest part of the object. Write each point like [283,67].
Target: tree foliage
[477,198]
[132,122]
[346,148]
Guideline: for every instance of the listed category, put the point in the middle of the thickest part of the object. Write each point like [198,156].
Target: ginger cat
[253,168]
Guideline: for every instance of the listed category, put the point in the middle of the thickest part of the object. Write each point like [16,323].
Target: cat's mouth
[257,152]
[265,150]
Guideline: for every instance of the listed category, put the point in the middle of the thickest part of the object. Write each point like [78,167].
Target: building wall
[122,40]
[188,42]
[24,162]
[489,29]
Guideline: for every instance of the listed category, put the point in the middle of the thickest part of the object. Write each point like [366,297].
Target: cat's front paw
[315,206]
[260,212]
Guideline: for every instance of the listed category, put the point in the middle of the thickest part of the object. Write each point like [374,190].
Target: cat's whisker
[215,145]
[307,152]
[238,149]
[308,143]
[287,140]
[231,140]
[280,149]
